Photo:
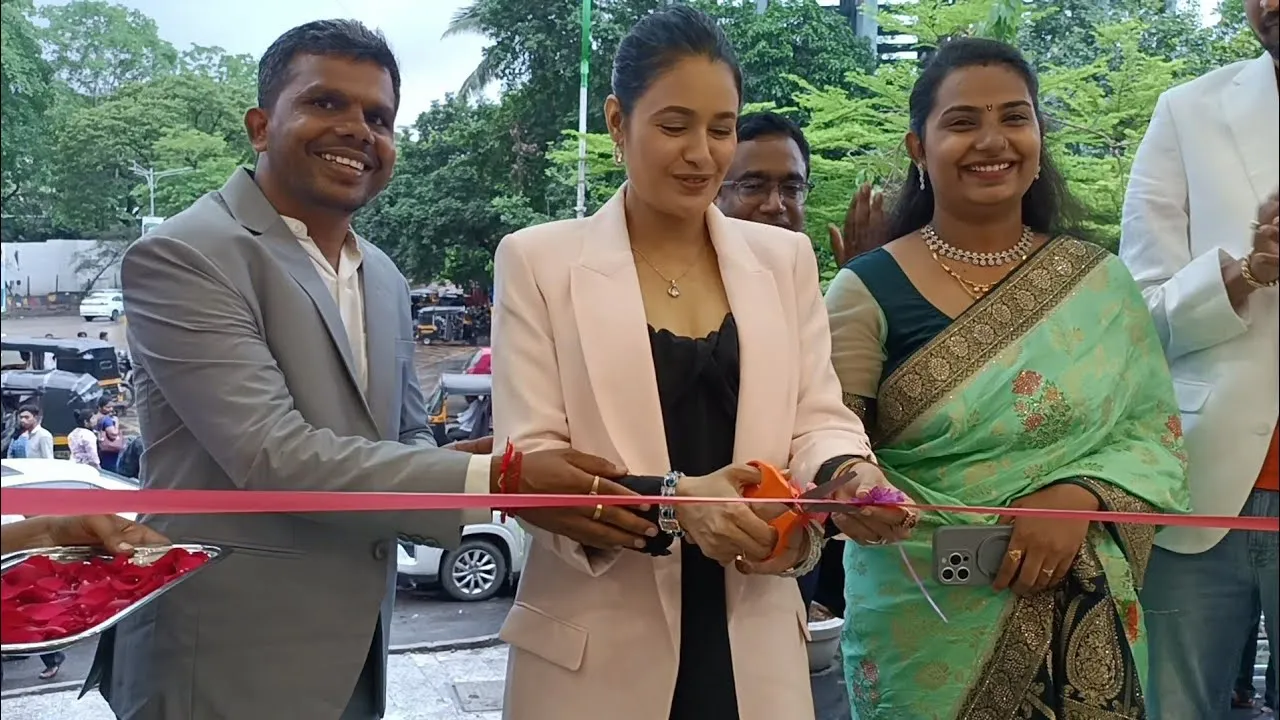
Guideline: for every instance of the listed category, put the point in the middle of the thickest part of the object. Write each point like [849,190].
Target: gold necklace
[673,289]
[975,290]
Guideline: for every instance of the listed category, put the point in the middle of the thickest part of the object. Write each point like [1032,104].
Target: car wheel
[115,315]
[475,571]
[88,318]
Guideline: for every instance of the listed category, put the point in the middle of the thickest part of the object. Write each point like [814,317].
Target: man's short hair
[338,38]
[756,125]
[30,408]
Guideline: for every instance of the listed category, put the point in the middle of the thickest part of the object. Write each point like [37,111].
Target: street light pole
[151,176]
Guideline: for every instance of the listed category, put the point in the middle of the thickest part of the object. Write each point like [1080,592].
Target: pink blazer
[597,635]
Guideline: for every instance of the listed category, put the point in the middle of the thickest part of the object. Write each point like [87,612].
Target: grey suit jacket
[244,381]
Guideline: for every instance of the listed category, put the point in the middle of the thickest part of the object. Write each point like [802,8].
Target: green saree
[1055,376]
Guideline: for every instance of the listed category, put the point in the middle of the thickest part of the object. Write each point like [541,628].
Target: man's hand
[479,446]
[1264,260]
[569,472]
[111,532]
[865,226]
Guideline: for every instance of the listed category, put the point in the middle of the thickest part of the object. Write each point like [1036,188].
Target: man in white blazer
[1199,234]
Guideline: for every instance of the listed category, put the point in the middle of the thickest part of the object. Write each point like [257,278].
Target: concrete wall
[50,266]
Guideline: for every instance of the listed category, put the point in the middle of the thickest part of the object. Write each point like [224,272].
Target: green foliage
[88,88]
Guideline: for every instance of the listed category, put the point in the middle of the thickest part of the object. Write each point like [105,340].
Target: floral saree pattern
[1055,376]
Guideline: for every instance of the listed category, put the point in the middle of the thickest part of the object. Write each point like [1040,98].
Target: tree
[97,48]
[26,93]
[452,199]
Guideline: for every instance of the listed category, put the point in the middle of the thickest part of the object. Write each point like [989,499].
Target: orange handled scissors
[775,485]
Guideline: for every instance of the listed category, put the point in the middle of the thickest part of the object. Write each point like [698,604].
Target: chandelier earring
[922,173]
[617,154]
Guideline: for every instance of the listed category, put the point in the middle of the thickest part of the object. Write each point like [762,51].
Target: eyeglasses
[757,191]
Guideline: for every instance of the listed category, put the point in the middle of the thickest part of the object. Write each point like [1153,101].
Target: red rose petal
[42,599]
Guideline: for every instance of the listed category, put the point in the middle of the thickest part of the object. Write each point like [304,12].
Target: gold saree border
[1006,686]
[994,322]
[1136,540]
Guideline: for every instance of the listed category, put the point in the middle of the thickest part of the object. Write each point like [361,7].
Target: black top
[698,389]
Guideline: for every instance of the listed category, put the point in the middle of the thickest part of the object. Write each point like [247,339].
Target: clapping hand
[569,472]
[865,227]
[729,532]
[1042,550]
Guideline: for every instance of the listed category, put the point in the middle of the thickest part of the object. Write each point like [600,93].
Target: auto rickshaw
[461,408]
[59,395]
[86,356]
[440,323]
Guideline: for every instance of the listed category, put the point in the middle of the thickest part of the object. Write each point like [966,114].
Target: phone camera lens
[962,574]
[948,574]
[955,559]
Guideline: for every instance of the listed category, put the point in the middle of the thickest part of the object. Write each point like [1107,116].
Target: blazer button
[380,550]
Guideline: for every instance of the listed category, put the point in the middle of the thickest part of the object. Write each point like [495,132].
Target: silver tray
[142,555]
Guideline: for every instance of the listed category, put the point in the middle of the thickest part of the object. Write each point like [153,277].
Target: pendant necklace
[673,287]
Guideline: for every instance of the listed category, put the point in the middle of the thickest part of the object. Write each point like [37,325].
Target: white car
[102,304]
[59,475]
[490,557]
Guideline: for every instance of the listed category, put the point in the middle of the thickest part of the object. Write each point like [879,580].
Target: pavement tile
[420,687]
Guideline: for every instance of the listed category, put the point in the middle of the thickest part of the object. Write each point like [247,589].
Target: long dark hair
[1047,206]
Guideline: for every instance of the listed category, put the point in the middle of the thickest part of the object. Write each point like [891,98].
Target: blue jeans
[1195,606]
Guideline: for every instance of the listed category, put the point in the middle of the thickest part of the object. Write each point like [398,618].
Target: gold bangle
[1247,273]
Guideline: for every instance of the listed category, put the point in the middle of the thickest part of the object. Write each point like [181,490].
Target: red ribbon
[31,501]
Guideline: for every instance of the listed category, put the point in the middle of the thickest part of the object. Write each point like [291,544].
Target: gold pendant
[673,291]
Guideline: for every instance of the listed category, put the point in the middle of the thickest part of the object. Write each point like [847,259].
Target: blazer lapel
[764,369]
[253,211]
[381,315]
[1253,113]
[609,310]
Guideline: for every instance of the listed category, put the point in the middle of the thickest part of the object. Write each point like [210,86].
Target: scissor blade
[825,490]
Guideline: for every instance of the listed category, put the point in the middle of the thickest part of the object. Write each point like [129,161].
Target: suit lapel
[1253,112]
[253,211]
[381,315]
[763,341]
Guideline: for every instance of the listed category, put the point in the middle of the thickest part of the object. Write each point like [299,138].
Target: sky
[429,66]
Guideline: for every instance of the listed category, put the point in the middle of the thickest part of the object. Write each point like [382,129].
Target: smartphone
[969,554]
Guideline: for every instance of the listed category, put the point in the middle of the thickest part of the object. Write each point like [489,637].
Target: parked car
[481,363]
[59,475]
[489,559]
[102,304]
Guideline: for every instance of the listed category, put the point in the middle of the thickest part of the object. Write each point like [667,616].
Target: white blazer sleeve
[1186,295]
[824,427]
[528,398]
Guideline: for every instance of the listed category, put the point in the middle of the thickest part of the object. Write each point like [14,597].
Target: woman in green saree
[1001,363]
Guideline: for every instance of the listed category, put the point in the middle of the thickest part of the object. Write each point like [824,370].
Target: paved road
[420,617]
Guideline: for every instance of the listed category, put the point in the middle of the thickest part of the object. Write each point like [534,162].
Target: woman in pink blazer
[679,344]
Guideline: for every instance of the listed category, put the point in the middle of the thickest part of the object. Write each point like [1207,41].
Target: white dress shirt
[344,286]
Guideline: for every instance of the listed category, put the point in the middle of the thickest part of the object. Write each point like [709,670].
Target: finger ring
[1048,572]
[599,511]
[910,520]
[877,541]
[1254,225]
[1014,555]
[595,485]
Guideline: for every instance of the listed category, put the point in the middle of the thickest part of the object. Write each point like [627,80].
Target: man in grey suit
[274,351]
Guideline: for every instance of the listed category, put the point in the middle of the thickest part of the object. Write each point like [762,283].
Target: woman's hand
[871,525]
[111,532]
[796,552]
[1042,550]
[569,472]
[726,532]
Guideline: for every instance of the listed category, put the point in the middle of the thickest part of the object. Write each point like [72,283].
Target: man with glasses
[769,178]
